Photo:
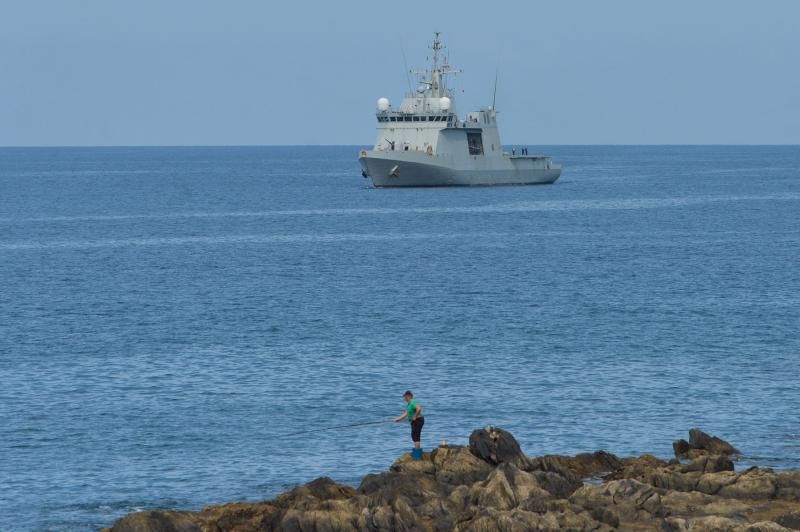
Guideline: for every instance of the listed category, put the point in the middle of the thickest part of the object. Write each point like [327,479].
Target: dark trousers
[416,429]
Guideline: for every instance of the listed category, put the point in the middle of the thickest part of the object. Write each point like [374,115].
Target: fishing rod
[341,427]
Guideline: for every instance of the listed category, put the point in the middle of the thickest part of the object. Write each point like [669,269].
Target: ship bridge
[427,120]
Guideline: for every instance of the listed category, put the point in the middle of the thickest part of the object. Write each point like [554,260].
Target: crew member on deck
[414,414]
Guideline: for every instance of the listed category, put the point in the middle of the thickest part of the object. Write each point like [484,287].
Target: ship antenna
[494,96]
[436,80]
[405,64]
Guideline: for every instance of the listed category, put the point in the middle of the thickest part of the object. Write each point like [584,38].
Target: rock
[689,503]
[341,518]
[711,483]
[559,486]
[788,485]
[705,524]
[629,499]
[242,516]
[457,466]
[700,444]
[752,484]
[558,465]
[158,521]
[699,440]
[406,464]
[491,520]
[582,465]
[708,464]
[496,446]
[507,487]
[790,520]
[308,495]
[669,479]
[636,468]
[492,486]
[766,526]
[386,488]
[680,448]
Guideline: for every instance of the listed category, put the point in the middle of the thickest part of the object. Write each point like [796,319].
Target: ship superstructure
[425,143]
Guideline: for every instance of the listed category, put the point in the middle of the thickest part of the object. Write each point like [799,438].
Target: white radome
[444,103]
[383,104]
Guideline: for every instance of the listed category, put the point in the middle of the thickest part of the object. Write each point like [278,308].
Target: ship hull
[418,170]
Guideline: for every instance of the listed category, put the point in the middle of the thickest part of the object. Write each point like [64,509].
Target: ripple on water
[173,316]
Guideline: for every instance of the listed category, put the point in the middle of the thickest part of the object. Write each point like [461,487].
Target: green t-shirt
[411,408]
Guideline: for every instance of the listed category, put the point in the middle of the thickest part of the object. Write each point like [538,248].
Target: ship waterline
[426,143]
[416,169]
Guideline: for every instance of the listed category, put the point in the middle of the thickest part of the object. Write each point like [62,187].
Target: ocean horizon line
[643,145]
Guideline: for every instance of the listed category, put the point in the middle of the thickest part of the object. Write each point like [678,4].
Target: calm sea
[170,316]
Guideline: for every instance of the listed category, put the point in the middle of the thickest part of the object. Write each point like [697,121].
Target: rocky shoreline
[491,485]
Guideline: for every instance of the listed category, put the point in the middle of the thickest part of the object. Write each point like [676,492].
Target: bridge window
[475,143]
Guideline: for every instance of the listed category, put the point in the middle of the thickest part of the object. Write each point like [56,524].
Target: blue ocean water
[170,316]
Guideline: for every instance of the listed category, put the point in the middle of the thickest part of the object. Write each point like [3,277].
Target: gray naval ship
[424,143]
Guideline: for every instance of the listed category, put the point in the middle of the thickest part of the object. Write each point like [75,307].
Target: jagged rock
[688,503]
[158,521]
[700,440]
[492,486]
[636,467]
[582,465]
[496,446]
[559,486]
[242,516]
[669,479]
[681,447]
[386,488]
[553,464]
[491,520]
[457,465]
[754,483]
[308,495]
[629,499]
[337,515]
[708,464]
[507,487]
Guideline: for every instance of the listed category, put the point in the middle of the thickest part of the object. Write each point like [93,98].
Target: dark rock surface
[496,446]
[700,444]
[492,485]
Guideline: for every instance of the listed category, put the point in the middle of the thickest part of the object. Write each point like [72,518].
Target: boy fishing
[414,414]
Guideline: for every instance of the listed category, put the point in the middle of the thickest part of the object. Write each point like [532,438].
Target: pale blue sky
[189,72]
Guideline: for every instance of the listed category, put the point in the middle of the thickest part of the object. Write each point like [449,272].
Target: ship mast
[436,75]
[436,86]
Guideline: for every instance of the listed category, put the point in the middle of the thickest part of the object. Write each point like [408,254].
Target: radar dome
[444,103]
[383,104]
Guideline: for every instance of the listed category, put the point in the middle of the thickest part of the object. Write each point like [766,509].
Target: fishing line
[340,427]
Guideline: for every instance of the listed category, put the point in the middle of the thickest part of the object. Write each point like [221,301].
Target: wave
[238,239]
[524,206]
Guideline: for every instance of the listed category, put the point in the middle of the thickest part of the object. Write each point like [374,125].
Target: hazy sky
[188,72]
